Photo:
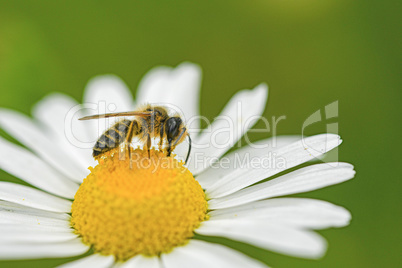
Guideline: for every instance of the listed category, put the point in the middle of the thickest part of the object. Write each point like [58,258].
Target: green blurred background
[310,52]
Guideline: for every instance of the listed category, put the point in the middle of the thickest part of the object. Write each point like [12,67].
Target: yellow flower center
[147,209]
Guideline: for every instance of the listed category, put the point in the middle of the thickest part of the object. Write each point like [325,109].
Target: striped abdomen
[112,137]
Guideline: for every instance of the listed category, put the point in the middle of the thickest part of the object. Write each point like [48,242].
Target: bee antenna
[189,147]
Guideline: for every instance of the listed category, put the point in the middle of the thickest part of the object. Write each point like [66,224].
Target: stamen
[149,209]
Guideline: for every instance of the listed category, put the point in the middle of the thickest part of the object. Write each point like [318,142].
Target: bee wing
[98,116]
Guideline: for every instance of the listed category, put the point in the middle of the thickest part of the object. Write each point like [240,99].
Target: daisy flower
[148,216]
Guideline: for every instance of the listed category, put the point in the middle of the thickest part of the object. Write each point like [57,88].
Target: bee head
[173,127]
[175,132]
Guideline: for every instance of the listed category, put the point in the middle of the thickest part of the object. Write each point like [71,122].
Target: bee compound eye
[172,127]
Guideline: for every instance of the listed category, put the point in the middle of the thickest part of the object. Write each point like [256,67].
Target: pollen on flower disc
[148,209]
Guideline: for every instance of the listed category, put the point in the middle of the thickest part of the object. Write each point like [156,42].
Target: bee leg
[129,156]
[169,149]
[161,138]
[149,146]
[129,139]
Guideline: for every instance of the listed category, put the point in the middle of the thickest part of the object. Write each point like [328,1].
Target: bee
[150,122]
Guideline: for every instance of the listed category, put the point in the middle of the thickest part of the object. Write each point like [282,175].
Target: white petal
[105,94]
[238,116]
[302,180]
[94,260]
[279,160]
[201,254]
[52,110]
[47,250]
[24,165]
[31,197]
[233,160]
[177,87]
[13,207]
[31,135]
[33,227]
[298,212]
[59,113]
[14,213]
[274,237]
[140,261]
[20,234]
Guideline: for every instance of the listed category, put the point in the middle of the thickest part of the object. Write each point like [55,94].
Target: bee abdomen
[111,138]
